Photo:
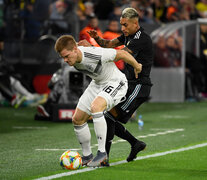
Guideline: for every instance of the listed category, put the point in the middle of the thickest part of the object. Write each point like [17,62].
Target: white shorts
[113,92]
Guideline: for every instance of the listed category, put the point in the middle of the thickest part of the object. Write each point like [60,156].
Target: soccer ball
[71,160]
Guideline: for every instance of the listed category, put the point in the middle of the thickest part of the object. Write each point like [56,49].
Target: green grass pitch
[31,149]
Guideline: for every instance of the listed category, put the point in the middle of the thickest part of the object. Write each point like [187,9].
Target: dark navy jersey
[140,44]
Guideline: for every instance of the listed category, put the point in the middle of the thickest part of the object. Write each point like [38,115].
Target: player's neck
[135,30]
[79,59]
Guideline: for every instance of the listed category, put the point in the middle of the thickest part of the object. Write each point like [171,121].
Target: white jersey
[108,81]
[98,64]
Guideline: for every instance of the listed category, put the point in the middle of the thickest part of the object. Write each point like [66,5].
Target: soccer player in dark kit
[139,44]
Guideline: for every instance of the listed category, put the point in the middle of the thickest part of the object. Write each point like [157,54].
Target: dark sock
[110,132]
[123,133]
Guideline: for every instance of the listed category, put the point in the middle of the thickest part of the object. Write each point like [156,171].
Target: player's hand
[137,70]
[84,43]
[93,33]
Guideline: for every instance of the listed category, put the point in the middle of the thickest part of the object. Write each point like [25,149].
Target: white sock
[84,137]
[100,128]
[20,88]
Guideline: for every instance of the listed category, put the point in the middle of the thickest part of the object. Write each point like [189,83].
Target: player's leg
[110,121]
[80,117]
[109,136]
[111,94]
[83,134]
[122,132]
[116,128]
[136,145]
[97,107]
[112,117]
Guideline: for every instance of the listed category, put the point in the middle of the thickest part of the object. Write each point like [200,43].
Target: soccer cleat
[105,163]
[96,162]
[139,146]
[86,159]
[41,99]
[42,111]
[18,100]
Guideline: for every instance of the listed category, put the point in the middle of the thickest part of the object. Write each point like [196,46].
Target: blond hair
[130,13]
[65,42]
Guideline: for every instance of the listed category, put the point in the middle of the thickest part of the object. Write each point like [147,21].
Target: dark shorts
[136,95]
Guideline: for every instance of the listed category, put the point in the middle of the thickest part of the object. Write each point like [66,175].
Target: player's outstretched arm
[104,42]
[128,58]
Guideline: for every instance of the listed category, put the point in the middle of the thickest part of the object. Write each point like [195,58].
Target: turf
[187,165]
[21,137]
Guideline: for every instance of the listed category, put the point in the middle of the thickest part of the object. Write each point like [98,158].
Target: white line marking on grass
[29,127]
[124,161]
[121,140]
[56,149]
[152,135]
[175,116]
[159,129]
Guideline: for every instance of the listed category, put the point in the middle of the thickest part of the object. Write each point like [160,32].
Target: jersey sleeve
[108,55]
[135,45]
[121,38]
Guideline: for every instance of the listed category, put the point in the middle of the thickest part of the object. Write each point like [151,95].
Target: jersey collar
[133,35]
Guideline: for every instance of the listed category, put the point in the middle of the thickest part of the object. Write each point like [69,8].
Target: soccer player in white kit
[107,88]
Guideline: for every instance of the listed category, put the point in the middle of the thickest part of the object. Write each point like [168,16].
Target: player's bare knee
[95,108]
[74,120]
[77,121]
[98,106]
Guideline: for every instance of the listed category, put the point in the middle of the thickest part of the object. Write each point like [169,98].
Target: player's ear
[136,22]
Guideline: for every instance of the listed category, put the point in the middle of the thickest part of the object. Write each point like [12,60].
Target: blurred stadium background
[28,31]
